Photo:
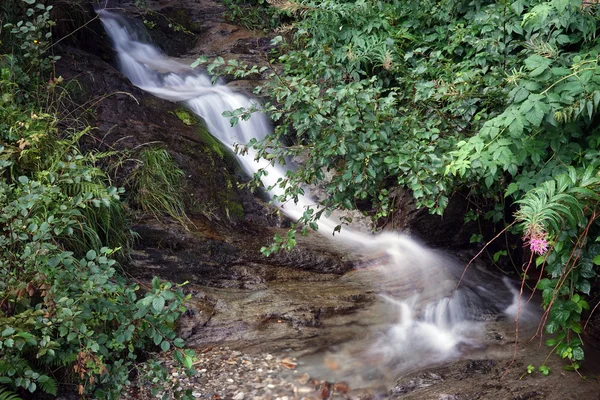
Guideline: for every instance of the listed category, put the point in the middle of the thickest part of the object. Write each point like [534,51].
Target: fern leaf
[6,394]
[48,385]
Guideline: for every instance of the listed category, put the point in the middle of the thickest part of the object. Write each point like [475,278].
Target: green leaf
[158,304]
[8,331]
[535,116]
[561,315]
[518,7]
[91,255]
[578,354]
[516,126]
[165,345]
[545,283]
[584,286]
[521,95]
[544,370]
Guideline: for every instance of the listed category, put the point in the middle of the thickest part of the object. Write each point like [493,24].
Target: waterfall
[428,320]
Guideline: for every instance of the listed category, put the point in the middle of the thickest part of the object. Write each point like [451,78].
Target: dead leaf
[289,363]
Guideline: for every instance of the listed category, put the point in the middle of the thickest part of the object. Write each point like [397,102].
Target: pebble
[226,374]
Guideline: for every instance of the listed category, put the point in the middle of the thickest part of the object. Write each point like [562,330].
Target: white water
[428,321]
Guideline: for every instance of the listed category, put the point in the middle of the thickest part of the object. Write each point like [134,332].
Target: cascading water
[428,321]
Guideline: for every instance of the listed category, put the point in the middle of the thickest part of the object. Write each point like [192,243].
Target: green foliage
[252,14]
[67,314]
[31,35]
[496,100]
[157,185]
[8,395]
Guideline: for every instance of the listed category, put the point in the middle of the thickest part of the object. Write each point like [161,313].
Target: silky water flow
[424,320]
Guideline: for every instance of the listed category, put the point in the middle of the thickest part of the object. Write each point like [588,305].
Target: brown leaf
[324,390]
[289,363]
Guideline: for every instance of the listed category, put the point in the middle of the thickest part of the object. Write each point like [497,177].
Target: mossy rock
[212,144]
[225,196]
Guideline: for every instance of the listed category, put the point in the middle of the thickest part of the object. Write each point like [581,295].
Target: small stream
[397,312]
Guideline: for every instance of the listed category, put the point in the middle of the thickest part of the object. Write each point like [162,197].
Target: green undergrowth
[156,185]
[70,318]
[253,14]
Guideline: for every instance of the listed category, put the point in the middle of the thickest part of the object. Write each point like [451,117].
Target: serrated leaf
[552,327]
[545,283]
[516,127]
[513,187]
[535,116]
[521,95]
[158,304]
[578,354]
[560,5]
[165,345]
[584,286]
[561,315]
[518,7]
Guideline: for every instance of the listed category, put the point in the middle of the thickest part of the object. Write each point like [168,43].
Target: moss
[213,144]
[186,116]
[234,209]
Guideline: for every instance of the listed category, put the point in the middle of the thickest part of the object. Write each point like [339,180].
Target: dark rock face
[447,231]
[129,119]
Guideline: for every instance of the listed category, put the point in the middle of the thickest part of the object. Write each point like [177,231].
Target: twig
[477,255]
[517,316]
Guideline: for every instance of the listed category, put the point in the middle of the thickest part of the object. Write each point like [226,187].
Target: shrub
[67,313]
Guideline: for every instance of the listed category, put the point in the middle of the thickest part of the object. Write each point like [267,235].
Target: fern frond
[48,385]
[6,394]
[559,200]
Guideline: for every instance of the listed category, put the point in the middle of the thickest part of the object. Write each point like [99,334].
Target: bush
[67,313]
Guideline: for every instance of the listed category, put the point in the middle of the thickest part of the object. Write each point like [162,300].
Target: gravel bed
[224,374]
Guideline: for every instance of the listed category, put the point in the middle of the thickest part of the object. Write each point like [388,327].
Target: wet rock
[479,366]
[421,381]
[449,397]
[363,394]
[433,229]
[533,395]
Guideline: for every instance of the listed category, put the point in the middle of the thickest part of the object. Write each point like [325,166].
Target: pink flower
[538,245]
[536,239]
